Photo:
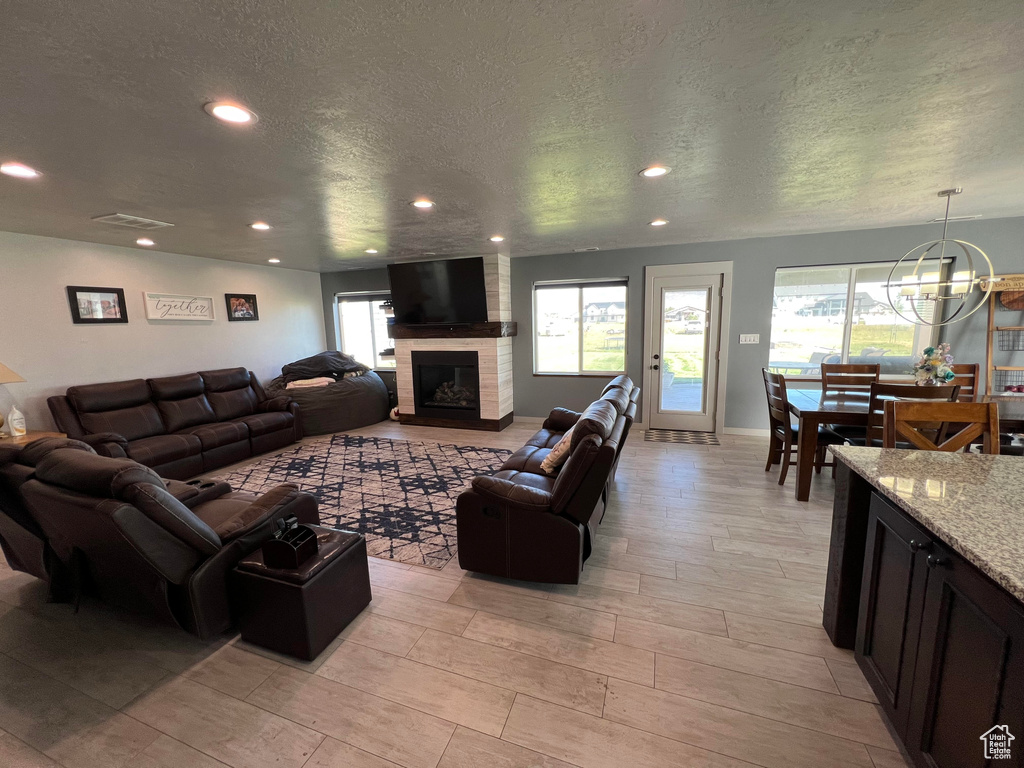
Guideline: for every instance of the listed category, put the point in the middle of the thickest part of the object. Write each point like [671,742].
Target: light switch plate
[750,338]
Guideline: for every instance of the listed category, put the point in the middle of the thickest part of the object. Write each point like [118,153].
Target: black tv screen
[439,291]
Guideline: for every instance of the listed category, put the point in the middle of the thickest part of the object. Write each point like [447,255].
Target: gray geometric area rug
[399,494]
[680,436]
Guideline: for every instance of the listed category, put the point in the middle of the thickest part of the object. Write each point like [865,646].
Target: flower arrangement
[933,367]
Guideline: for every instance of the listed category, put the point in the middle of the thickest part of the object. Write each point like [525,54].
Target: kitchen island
[926,584]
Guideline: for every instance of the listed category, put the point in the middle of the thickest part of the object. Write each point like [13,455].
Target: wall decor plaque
[170,306]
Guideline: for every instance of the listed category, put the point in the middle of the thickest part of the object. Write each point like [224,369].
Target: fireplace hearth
[446,385]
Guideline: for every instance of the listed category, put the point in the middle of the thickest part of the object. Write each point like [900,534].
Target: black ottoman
[299,612]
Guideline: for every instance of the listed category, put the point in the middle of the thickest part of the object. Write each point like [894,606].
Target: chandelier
[952,297]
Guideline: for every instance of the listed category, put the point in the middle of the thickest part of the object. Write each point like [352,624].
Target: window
[364,328]
[811,323]
[579,327]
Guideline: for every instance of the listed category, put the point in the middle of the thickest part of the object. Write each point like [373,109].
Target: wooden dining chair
[880,393]
[927,425]
[845,378]
[783,439]
[967,379]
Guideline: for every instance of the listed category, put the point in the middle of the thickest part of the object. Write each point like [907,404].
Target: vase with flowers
[934,366]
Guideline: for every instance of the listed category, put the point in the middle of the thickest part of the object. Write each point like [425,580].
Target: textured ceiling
[525,118]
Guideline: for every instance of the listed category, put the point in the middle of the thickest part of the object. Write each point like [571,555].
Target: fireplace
[446,385]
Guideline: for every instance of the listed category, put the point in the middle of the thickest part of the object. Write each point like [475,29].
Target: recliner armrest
[279,403]
[561,419]
[503,491]
[282,501]
[108,444]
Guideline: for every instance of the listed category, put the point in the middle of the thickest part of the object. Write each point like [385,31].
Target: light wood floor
[695,639]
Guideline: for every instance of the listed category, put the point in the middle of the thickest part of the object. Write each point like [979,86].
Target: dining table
[812,408]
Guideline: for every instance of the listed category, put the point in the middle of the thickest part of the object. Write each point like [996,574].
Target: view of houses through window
[364,329]
[811,324]
[580,327]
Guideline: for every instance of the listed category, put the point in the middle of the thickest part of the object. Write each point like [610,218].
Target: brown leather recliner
[521,523]
[150,545]
[180,426]
[21,539]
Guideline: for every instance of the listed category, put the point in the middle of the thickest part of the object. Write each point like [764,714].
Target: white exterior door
[684,351]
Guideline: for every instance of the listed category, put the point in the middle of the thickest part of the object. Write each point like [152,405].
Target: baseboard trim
[746,431]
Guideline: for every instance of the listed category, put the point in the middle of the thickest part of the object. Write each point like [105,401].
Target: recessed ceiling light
[496,238]
[230,112]
[19,171]
[659,223]
[262,226]
[274,261]
[145,241]
[423,203]
[371,250]
[655,171]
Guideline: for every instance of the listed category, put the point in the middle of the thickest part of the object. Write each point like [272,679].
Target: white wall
[39,341]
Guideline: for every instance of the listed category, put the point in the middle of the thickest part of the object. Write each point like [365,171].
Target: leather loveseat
[180,426]
[521,523]
[114,529]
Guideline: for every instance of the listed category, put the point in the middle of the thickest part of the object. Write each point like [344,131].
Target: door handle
[920,546]
[654,367]
[937,562]
[657,357]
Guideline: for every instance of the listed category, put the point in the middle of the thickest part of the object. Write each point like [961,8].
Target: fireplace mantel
[496,330]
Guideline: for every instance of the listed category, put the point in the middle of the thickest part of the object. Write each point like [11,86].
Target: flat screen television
[439,291]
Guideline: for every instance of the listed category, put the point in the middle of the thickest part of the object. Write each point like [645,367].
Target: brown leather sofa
[521,523]
[180,426]
[163,547]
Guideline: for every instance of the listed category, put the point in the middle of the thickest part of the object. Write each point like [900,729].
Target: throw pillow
[558,454]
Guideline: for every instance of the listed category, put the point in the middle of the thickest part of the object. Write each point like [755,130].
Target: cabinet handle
[937,562]
[920,546]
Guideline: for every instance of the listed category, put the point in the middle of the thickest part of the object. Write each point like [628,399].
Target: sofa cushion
[187,412]
[576,468]
[177,387]
[87,473]
[617,397]
[623,382]
[131,423]
[219,434]
[34,452]
[164,449]
[598,419]
[112,396]
[265,423]
[182,401]
[527,459]
[545,438]
[529,479]
[230,393]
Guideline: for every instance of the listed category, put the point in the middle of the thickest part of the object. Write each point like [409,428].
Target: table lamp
[7,376]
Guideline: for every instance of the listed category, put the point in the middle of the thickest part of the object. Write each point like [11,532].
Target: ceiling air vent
[134,222]
[584,250]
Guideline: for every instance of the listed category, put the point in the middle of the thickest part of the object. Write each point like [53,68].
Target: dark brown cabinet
[940,643]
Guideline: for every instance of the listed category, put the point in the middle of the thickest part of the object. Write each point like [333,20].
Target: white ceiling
[529,118]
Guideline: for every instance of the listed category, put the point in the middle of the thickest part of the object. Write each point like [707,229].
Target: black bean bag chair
[348,403]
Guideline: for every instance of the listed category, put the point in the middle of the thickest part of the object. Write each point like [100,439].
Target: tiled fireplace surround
[494,354]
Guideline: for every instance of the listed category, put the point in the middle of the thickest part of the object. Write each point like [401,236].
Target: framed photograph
[172,306]
[97,305]
[242,306]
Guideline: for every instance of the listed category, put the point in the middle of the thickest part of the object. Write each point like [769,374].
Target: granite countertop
[973,503]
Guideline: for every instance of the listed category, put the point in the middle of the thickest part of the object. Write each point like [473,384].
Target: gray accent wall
[754,264]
